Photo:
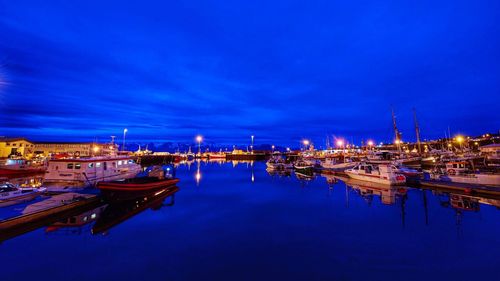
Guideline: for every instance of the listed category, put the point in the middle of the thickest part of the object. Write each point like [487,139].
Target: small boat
[137,184]
[301,165]
[217,155]
[20,167]
[278,163]
[461,172]
[11,194]
[135,187]
[385,174]
[337,163]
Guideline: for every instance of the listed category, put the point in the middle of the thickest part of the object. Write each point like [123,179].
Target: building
[15,147]
[74,149]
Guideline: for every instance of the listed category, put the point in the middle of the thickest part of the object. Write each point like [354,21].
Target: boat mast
[417,131]
[397,134]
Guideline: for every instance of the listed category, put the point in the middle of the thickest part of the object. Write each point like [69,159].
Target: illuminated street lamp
[251,146]
[306,143]
[124,135]
[370,144]
[199,139]
[272,148]
[95,149]
[460,140]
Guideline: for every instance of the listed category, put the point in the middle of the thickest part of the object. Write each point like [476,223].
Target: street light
[251,146]
[306,143]
[272,148]
[460,140]
[199,139]
[124,134]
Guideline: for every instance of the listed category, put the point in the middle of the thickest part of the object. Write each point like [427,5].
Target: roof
[6,139]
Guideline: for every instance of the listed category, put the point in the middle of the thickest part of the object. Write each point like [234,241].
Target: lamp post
[251,146]
[306,143]
[460,140]
[370,144]
[272,148]
[124,135]
[340,143]
[199,139]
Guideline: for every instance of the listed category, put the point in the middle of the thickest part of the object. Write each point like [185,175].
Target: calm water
[240,223]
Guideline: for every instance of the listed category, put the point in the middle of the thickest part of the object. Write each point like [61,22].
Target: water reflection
[96,216]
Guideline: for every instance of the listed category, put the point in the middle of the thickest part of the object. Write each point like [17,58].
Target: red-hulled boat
[133,188]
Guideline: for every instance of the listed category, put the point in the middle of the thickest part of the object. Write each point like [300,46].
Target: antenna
[417,131]
[397,134]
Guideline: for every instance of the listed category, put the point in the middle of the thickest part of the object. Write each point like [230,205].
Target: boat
[461,172]
[278,163]
[216,155]
[20,167]
[302,165]
[382,173]
[84,172]
[11,194]
[407,171]
[135,187]
[337,163]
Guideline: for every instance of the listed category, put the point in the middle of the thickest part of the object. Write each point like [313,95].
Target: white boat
[337,164]
[11,194]
[278,163]
[383,173]
[83,172]
[303,165]
[460,172]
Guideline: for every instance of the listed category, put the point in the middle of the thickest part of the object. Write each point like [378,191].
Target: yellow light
[476,143]
[95,148]
[460,139]
[305,142]
[397,141]
[340,143]
[449,145]
[370,143]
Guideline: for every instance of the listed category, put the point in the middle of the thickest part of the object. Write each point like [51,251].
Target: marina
[312,214]
[249,140]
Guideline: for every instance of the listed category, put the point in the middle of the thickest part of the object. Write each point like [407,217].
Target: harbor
[221,206]
[249,140]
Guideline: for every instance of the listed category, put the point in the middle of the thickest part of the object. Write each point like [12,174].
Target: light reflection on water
[237,221]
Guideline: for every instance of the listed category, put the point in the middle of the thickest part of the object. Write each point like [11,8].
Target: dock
[470,189]
[47,212]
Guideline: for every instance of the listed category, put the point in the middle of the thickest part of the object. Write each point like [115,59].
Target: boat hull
[121,191]
[376,179]
[479,179]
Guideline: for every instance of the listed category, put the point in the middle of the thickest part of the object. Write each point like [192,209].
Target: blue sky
[282,71]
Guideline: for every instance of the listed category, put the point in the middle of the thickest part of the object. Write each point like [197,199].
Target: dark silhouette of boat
[129,189]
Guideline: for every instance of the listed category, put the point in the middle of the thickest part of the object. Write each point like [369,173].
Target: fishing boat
[337,163]
[302,165]
[84,172]
[383,173]
[11,194]
[19,167]
[278,163]
[462,172]
[135,187]
[216,155]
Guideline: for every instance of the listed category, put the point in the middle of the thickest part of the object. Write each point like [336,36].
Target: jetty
[47,212]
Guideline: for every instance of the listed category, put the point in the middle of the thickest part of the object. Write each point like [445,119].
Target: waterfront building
[10,147]
[74,149]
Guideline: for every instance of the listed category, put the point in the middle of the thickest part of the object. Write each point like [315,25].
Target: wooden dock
[470,189]
[47,212]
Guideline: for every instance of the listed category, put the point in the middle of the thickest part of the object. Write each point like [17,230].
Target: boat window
[130,161]
[119,163]
[91,165]
[98,164]
[114,164]
[70,166]
[78,166]
[105,165]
